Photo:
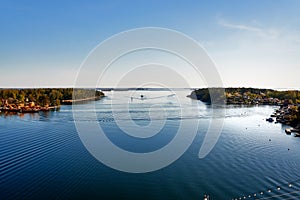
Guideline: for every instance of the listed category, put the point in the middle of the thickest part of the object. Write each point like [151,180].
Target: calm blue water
[42,157]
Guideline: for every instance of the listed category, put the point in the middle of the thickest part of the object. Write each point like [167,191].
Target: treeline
[43,96]
[204,94]
[288,100]
[292,96]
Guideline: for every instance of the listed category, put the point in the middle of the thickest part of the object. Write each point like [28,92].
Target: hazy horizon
[132,88]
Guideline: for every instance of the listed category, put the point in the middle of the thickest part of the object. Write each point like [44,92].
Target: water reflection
[41,155]
[26,116]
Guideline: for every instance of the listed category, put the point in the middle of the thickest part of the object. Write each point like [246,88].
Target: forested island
[249,96]
[288,101]
[43,99]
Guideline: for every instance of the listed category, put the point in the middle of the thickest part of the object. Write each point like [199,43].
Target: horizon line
[161,88]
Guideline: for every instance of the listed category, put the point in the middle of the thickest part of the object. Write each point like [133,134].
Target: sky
[252,43]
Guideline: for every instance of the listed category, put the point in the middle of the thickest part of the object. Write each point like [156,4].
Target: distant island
[43,99]
[288,101]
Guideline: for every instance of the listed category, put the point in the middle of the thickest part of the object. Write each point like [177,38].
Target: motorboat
[270,119]
[288,131]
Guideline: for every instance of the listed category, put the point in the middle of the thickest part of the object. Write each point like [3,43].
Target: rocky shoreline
[287,115]
[288,112]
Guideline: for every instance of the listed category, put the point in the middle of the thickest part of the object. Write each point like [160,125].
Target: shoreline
[29,109]
[43,99]
[80,101]
[288,112]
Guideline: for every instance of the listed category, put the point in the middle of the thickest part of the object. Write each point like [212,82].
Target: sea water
[42,156]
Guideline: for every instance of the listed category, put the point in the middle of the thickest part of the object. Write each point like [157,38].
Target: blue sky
[253,43]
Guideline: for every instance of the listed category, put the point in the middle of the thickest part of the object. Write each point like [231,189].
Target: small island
[43,99]
[288,101]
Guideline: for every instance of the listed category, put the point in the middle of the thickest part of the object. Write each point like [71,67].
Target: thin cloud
[266,33]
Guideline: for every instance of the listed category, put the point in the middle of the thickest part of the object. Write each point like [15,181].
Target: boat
[295,130]
[10,110]
[270,119]
[29,110]
[297,134]
[288,131]
[44,109]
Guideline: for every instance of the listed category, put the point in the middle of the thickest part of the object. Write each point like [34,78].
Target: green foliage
[202,95]
[298,115]
[43,96]
[292,95]
[205,95]
[248,95]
